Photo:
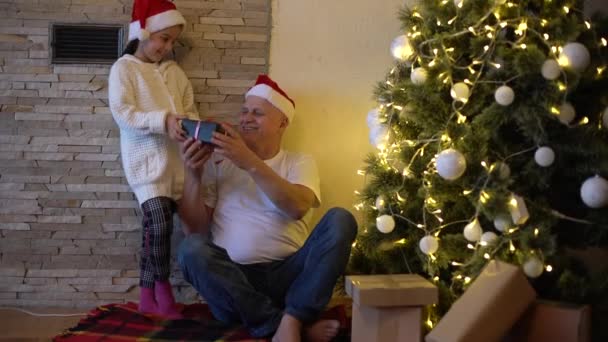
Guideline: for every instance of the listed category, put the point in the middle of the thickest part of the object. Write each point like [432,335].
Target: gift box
[489,307]
[553,321]
[388,308]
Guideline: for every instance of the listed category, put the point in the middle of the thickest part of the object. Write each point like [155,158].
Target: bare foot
[289,330]
[322,331]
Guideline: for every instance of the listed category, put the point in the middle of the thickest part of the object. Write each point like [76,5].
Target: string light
[521,28]
[461,118]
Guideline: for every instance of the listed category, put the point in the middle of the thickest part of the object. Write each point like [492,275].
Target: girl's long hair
[131,47]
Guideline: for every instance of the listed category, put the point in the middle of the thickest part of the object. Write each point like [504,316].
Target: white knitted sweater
[141,96]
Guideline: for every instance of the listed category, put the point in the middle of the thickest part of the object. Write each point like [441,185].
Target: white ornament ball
[566,113]
[378,136]
[576,56]
[594,192]
[551,69]
[419,76]
[385,223]
[504,95]
[503,170]
[460,91]
[605,118]
[401,48]
[544,156]
[450,164]
[489,238]
[458,3]
[405,112]
[373,118]
[428,244]
[380,202]
[503,222]
[533,267]
[472,231]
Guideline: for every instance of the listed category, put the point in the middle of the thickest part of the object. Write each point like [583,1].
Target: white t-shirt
[245,221]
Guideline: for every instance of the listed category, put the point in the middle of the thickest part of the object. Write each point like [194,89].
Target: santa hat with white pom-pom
[153,15]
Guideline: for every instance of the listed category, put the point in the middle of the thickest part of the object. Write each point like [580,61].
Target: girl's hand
[174,129]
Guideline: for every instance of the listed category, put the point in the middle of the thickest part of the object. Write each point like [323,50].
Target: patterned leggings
[156,240]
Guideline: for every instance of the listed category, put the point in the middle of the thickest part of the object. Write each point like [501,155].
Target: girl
[148,96]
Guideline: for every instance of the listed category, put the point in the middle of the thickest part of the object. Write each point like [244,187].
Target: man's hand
[174,128]
[194,154]
[195,215]
[232,146]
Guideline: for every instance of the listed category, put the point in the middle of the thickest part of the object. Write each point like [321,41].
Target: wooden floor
[21,327]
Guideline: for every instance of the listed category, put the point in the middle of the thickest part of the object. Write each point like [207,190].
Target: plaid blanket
[122,322]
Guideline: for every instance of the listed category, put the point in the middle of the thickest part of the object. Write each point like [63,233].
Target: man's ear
[284,122]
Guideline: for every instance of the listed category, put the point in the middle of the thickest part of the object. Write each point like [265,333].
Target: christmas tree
[492,143]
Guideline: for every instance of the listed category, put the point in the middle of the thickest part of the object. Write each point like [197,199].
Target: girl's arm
[122,94]
[188,100]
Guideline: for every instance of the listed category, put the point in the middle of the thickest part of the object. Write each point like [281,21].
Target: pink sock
[165,300]
[147,304]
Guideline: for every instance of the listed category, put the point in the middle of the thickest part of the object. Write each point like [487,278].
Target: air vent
[86,44]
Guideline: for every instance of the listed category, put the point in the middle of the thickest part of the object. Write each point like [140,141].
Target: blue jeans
[258,295]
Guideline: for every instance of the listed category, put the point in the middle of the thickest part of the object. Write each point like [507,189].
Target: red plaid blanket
[122,322]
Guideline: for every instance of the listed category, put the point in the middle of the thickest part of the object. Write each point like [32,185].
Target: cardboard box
[391,290]
[489,307]
[388,308]
[553,321]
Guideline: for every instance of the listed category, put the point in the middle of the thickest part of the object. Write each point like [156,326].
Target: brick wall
[69,225]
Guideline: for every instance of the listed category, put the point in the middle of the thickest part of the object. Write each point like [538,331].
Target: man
[249,250]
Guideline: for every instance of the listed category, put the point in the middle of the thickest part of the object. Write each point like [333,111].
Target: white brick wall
[69,225]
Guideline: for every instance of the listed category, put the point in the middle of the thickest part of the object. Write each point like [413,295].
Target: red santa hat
[151,16]
[268,89]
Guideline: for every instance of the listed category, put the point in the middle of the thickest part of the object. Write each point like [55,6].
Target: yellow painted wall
[329,55]
[592,6]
